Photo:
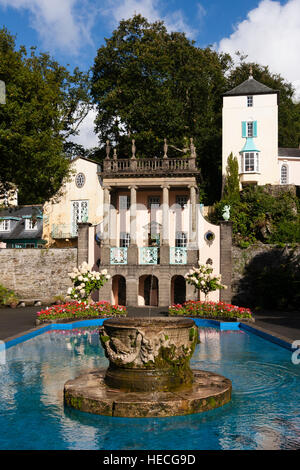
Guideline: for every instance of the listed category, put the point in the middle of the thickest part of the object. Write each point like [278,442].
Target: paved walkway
[282,324]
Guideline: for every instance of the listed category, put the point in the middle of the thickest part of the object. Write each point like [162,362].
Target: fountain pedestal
[149,374]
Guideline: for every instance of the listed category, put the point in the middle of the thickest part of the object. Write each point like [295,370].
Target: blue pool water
[263,414]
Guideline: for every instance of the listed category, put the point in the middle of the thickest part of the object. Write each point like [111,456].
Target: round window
[209,237]
[80,180]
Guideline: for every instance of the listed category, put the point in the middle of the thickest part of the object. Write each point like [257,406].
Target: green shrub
[262,216]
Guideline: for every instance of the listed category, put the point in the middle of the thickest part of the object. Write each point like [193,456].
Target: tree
[232,182]
[44,105]
[150,84]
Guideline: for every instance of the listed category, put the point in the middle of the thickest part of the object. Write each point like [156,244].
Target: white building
[250,132]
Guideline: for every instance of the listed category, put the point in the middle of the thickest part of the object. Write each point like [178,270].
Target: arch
[284,174]
[119,290]
[178,289]
[148,290]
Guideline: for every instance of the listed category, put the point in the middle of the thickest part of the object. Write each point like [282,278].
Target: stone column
[226,260]
[165,245]
[83,242]
[192,253]
[106,202]
[164,291]
[105,248]
[132,253]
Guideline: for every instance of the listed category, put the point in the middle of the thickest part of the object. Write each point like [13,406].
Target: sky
[267,31]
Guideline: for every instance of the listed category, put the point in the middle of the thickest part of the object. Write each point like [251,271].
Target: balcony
[149,255]
[63,231]
[184,164]
[118,255]
[178,255]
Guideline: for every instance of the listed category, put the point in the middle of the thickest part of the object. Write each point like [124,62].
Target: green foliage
[7,296]
[44,105]
[262,216]
[232,182]
[149,84]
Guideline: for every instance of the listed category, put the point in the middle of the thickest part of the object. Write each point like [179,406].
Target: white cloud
[151,9]
[61,24]
[201,12]
[270,36]
[86,137]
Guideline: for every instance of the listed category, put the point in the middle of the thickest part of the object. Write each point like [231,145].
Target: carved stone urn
[147,356]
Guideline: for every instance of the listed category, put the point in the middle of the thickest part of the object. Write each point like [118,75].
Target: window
[181,240]
[124,240]
[29,225]
[30,245]
[249,128]
[124,202]
[4,225]
[154,202]
[249,101]
[80,180]
[250,162]
[284,174]
[79,214]
[182,201]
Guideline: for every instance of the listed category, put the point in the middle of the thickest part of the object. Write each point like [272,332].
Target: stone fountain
[149,372]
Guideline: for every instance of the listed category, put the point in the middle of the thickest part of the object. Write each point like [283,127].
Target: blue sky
[72,30]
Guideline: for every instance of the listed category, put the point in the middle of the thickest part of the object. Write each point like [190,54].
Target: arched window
[284,174]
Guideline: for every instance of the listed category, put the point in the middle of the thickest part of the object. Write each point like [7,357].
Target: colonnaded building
[151,230]
[140,218]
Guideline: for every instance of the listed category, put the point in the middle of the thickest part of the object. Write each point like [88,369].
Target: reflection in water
[263,413]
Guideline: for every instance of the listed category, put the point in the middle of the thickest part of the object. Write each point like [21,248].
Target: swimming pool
[263,413]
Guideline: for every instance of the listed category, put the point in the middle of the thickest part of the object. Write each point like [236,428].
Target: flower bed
[80,310]
[215,310]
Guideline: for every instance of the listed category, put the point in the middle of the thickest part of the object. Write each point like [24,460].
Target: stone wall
[251,262]
[36,274]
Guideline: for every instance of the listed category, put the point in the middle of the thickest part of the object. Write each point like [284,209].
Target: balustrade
[118,255]
[178,255]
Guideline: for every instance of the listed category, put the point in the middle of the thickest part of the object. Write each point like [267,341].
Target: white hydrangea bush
[203,279]
[85,281]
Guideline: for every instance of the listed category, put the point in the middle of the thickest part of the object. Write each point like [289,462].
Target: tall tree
[44,105]
[150,84]
[232,182]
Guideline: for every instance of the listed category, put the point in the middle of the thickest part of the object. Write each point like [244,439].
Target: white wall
[265,112]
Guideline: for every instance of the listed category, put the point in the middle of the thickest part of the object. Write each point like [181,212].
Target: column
[106,201]
[192,253]
[105,248]
[226,260]
[165,215]
[132,253]
[165,244]
[133,189]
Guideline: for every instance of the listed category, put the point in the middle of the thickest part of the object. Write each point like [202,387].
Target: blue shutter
[254,128]
[244,129]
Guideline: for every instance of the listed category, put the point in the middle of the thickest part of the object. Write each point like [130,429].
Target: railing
[118,255]
[149,164]
[63,231]
[178,255]
[149,255]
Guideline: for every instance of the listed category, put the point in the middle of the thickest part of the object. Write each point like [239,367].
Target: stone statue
[226,212]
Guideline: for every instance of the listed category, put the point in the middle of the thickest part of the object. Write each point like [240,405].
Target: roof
[18,214]
[250,146]
[288,152]
[250,87]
